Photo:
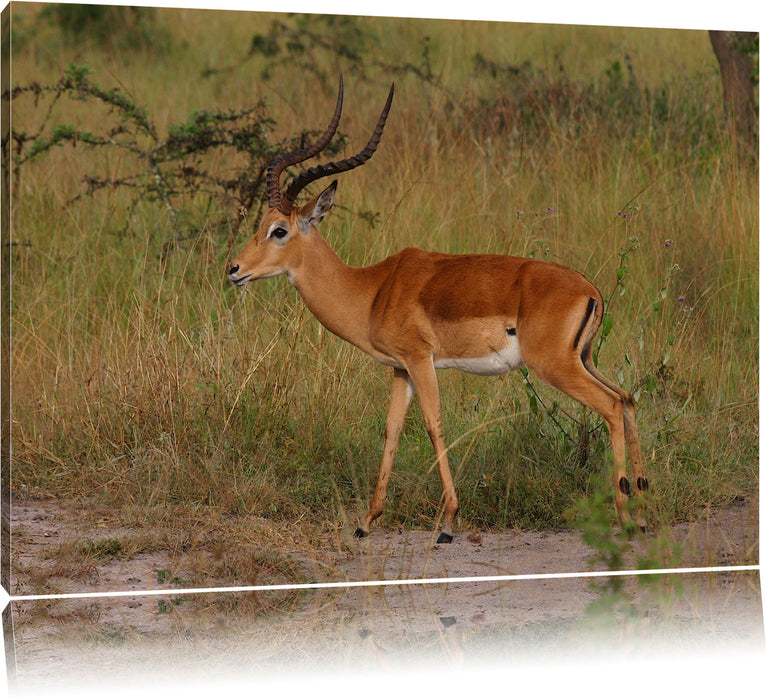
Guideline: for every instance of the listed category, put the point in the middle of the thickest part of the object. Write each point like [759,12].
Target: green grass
[143,380]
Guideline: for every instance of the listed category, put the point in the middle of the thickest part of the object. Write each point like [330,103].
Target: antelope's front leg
[424,377]
[401,397]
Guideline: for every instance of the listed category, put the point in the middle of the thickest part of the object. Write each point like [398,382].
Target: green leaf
[62,132]
[77,73]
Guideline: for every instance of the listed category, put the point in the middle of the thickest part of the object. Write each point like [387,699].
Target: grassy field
[148,387]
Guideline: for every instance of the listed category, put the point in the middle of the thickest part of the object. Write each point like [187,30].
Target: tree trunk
[735,66]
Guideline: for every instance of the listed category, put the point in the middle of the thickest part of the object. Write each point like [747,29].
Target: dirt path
[173,636]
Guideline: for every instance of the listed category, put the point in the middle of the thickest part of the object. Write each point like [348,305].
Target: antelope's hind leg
[576,377]
[640,483]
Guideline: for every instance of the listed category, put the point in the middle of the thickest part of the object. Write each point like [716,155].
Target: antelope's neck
[338,295]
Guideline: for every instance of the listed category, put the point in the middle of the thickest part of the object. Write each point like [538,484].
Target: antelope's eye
[280,233]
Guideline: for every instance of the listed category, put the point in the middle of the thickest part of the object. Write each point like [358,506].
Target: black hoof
[444,538]
[359,533]
[642,484]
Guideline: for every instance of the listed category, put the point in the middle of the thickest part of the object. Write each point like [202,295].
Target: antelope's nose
[236,277]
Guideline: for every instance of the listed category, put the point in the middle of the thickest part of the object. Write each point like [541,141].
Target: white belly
[499,362]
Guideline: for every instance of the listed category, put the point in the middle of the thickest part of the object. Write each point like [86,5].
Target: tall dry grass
[145,384]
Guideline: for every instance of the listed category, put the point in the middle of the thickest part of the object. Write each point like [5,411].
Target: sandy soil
[116,641]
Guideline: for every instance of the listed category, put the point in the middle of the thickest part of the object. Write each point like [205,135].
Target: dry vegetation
[148,389]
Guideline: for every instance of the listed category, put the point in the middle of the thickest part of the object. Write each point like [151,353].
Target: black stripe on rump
[591,304]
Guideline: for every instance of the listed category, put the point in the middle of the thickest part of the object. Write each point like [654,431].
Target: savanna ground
[171,432]
[127,642]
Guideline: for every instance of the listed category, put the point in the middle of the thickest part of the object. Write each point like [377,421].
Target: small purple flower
[681,298]
[668,243]
[622,214]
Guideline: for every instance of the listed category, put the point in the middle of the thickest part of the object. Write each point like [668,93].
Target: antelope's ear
[313,212]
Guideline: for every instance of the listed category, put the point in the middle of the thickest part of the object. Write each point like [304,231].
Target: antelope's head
[277,246]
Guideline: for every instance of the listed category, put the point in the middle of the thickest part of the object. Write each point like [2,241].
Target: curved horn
[312,174]
[278,165]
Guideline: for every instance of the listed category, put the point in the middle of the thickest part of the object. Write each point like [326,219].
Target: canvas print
[338,342]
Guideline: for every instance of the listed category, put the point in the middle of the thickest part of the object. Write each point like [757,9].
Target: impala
[419,311]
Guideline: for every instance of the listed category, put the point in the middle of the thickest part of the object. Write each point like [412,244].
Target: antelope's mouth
[239,281]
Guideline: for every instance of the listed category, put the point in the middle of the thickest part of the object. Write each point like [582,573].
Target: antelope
[419,311]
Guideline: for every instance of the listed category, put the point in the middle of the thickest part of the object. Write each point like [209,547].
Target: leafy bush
[124,27]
